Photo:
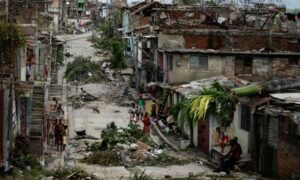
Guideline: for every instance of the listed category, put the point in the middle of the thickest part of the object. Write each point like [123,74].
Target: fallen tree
[83,69]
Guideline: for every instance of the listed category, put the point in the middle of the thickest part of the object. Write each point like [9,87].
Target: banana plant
[221,101]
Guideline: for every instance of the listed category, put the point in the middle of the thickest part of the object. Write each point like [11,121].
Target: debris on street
[68,173]
[103,158]
[127,146]
[78,101]
[82,69]
[121,100]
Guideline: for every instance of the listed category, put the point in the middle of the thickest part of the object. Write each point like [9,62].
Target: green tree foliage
[117,48]
[80,69]
[107,33]
[11,37]
[218,100]
[10,33]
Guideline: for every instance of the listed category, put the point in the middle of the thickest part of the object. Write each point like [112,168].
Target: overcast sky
[292,4]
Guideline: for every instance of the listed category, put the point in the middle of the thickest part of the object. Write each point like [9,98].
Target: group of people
[58,132]
[138,113]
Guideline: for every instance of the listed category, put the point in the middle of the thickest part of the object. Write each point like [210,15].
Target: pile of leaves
[81,69]
[113,135]
[108,152]
[103,158]
[68,173]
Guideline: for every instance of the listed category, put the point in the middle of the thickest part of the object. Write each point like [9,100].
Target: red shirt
[236,152]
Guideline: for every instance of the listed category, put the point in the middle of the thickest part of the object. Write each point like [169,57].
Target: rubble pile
[103,158]
[285,69]
[121,100]
[70,29]
[104,54]
[78,101]
[68,173]
[127,146]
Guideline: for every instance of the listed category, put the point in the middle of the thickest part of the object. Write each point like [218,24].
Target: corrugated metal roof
[293,98]
[198,85]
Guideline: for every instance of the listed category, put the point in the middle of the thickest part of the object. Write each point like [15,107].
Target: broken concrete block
[133,146]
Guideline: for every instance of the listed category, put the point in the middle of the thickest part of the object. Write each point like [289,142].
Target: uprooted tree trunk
[268,87]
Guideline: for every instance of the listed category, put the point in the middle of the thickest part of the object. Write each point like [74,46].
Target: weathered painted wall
[170,41]
[183,73]
[262,67]
[243,136]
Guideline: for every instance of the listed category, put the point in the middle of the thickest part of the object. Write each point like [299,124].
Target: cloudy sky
[292,4]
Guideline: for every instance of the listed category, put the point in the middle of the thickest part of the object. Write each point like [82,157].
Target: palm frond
[217,99]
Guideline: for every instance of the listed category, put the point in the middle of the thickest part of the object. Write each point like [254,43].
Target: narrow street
[133,90]
[93,123]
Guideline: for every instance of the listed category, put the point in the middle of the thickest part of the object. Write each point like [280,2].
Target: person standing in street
[59,130]
[60,110]
[132,110]
[146,122]
[140,107]
[153,110]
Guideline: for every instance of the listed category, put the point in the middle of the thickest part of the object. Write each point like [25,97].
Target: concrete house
[192,55]
[25,80]
[187,56]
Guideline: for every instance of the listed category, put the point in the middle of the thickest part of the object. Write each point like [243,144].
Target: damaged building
[176,50]
[25,78]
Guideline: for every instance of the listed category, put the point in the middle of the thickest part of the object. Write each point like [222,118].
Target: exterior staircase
[35,127]
[53,74]
[54,91]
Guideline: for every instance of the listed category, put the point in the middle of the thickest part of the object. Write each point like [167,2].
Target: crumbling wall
[249,42]
[29,12]
[182,73]
[237,41]
[262,68]
[229,66]
[282,67]
[166,41]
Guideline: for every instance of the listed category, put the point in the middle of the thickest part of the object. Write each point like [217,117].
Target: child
[146,122]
